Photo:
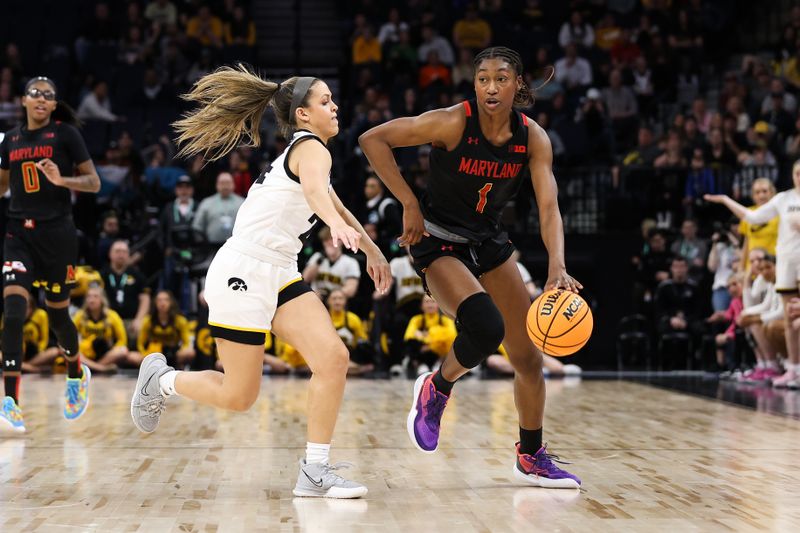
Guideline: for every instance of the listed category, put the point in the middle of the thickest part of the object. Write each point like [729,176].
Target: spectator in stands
[96,104]
[103,341]
[759,236]
[780,120]
[594,118]
[778,97]
[625,52]
[10,107]
[332,270]
[351,331]
[166,331]
[176,236]
[690,247]
[125,287]
[100,29]
[622,107]
[677,302]
[757,163]
[173,65]
[161,11]
[719,156]
[464,71]
[721,258]
[792,145]
[728,317]
[572,71]
[240,170]
[559,150]
[652,267]
[109,233]
[401,59]
[472,32]
[701,114]
[216,214]
[389,32]
[204,65]
[576,31]
[428,338]
[384,212]
[132,47]
[643,85]
[699,181]
[239,31]
[366,48]
[434,74]
[673,154]
[735,108]
[205,28]
[432,41]
[607,32]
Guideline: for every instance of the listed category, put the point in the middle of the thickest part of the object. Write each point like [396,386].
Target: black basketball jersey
[32,194]
[470,185]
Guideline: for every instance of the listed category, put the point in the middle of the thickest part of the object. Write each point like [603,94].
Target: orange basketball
[560,322]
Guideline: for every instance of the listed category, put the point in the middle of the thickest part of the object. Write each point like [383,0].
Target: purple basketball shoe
[426,414]
[538,470]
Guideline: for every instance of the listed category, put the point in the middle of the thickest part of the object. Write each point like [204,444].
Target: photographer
[724,252]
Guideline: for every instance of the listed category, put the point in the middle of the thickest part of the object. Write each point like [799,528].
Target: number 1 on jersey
[482,197]
[30,176]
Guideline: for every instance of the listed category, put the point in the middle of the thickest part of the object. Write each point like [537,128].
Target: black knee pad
[64,328]
[481,330]
[15,309]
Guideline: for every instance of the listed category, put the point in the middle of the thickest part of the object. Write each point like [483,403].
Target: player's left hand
[559,279]
[379,271]
[50,170]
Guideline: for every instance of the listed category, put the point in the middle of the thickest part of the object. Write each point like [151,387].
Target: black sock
[12,386]
[530,440]
[441,384]
[74,367]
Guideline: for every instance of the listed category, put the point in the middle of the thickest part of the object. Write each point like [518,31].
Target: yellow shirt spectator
[433,329]
[36,331]
[349,327]
[367,49]
[154,337]
[109,327]
[472,32]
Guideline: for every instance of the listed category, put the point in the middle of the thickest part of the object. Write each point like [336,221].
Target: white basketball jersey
[275,214]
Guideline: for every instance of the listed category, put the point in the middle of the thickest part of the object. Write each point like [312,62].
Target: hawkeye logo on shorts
[237,284]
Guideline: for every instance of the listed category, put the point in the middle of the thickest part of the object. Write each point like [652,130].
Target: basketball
[560,322]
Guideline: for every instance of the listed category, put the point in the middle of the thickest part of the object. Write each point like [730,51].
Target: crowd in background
[655,92]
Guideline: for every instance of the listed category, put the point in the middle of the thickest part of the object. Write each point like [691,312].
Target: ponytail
[64,113]
[232,102]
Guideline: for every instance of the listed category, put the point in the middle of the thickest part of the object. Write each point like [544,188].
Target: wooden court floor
[650,459]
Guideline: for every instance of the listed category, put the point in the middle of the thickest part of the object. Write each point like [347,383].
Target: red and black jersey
[32,194]
[470,185]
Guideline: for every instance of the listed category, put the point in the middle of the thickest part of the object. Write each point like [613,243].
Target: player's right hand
[345,234]
[413,226]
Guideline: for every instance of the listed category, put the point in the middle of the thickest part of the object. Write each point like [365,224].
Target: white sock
[167,383]
[317,453]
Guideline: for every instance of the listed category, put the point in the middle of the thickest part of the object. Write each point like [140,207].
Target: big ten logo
[549,303]
[576,303]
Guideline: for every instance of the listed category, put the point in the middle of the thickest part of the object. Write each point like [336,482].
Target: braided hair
[523,97]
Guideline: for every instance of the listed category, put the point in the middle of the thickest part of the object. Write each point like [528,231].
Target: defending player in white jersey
[253,285]
[785,205]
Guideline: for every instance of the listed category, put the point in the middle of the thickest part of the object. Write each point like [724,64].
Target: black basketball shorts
[478,257]
[42,254]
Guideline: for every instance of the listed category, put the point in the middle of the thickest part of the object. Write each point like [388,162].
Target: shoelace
[545,460]
[153,408]
[328,471]
[435,408]
[73,391]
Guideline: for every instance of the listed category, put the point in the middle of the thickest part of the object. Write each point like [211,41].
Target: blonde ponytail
[231,104]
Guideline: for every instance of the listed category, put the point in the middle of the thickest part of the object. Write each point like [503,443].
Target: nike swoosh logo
[312,480]
[146,383]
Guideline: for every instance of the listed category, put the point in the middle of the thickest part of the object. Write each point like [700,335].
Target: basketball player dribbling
[38,161]
[482,150]
[253,285]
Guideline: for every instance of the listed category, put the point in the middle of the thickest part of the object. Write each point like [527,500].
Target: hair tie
[279,87]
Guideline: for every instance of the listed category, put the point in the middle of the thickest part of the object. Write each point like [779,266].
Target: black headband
[38,79]
[301,87]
